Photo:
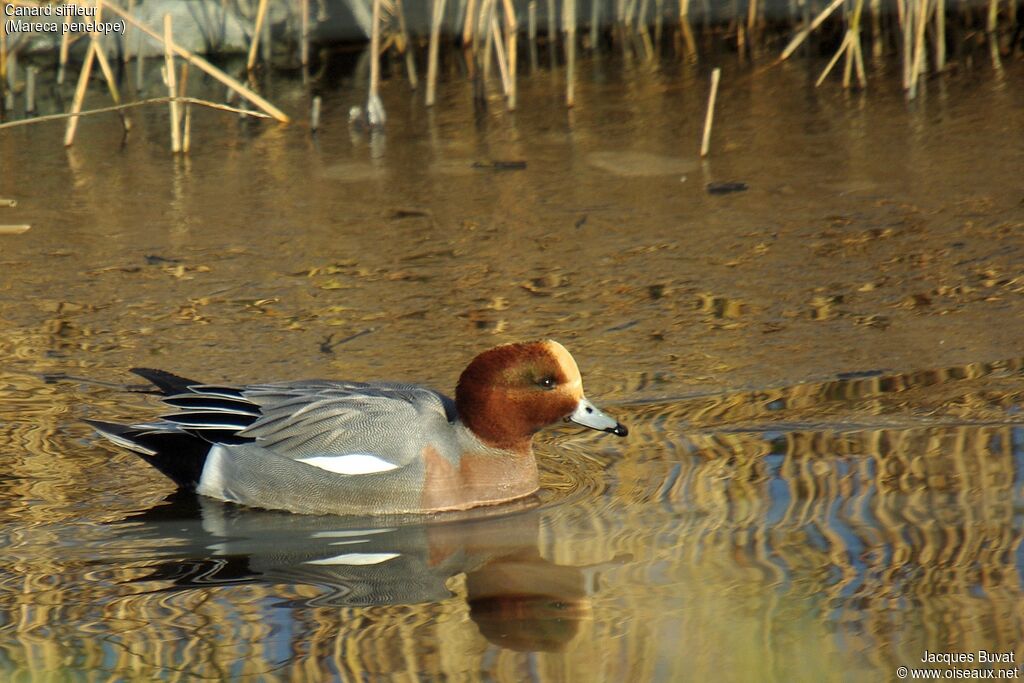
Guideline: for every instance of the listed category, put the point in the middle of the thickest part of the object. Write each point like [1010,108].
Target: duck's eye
[547,382]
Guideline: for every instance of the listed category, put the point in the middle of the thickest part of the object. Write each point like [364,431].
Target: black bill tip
[618,430]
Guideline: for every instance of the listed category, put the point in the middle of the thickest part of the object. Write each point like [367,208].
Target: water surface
[822,376]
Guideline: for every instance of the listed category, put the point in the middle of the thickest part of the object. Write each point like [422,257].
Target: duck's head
[510,392]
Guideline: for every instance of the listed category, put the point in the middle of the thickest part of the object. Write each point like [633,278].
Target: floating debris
[726,188]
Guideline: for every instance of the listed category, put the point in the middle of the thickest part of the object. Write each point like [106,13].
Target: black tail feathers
[169,384]
[178,455]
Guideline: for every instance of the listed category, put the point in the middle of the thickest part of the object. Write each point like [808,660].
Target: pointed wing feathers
[321,423]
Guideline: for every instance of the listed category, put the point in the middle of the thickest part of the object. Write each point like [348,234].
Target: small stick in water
[10,203]
[710,116]
[14,229]
[314,117]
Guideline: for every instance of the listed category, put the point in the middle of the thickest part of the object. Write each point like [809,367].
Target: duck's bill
[589,415]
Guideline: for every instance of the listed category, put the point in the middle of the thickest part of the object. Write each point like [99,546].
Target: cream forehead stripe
[566,362]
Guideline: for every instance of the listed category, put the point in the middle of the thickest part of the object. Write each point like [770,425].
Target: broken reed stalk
[804,32]
[201,64]
[132,105]
[172,88]
[14,229]
[8,203]
[435,40]
[709,117]
[257,31]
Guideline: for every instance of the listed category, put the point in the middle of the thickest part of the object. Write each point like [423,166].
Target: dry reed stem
[468,35]
[202,65]
[410,59]
[186,138]
[802,35]
[108,73]
[304,32]
[853,53]
[843,47]
[709,117]
[432,59]
[907,25]
[76,103]
[499,50]
[257,31]
[511,50]
[172,88]
[8,203]
[132,105]
[65,44]
[569,23]
[486,14]
[375,52]
[918,65]
[14,229]
[940,35]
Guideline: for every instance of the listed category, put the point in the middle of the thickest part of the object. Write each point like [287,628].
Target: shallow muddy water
[823,377]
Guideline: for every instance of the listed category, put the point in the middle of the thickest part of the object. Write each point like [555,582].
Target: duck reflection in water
[518,599]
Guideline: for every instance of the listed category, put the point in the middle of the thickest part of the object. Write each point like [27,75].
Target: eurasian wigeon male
[336,447]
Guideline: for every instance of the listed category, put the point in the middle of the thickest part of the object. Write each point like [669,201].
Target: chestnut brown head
[510,392]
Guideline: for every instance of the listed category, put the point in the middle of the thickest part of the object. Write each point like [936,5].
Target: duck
[366,448]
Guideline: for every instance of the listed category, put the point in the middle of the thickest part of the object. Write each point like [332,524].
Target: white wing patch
[360,559]
[353,463]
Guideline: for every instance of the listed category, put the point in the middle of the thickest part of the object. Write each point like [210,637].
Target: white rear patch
[212,482]
[360,559]
[347,533]
[354,463]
